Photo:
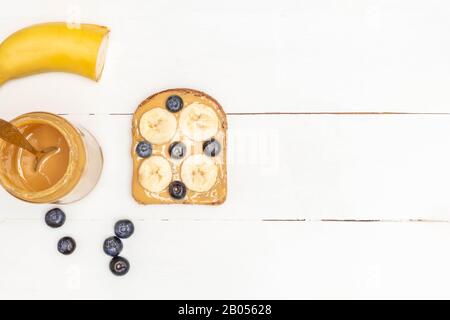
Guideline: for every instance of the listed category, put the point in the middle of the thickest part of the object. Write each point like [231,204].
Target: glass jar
[64,176]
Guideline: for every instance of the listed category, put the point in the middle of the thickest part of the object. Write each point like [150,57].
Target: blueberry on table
[212,147]
[112,246]
[177,150]
[66,245]
[55,218]
[174,103]
[177,190]
[124,229]
[144,149]
[119,266]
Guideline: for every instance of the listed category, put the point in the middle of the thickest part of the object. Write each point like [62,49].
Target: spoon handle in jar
[11,134]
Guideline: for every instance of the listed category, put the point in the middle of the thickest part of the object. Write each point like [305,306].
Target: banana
[199,122]
[199,173]
[54,47]
[155,174]
[158,126]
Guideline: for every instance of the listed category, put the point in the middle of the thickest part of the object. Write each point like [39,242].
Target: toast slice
[179,149]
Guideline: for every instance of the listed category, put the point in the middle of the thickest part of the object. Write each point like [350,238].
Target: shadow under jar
[64,176]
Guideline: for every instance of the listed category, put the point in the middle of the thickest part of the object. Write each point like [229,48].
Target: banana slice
[158,126]
[155,174]
[199,173]
[199,122]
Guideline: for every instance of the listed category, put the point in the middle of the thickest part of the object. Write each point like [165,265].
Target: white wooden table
[339,175]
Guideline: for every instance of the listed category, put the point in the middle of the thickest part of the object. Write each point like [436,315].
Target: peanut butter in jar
[64,175]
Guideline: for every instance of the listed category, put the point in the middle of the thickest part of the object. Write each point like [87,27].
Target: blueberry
[124,229]
[174,104]
[66,245]
[119,266]
[177,190]
[55,218]
[177,150]
[144,149]
[112,246]
[212,147]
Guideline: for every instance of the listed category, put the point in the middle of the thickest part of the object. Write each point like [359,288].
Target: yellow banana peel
[58,46]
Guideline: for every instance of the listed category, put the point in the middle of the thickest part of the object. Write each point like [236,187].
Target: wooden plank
[220,260]
[257,56]
[385,167]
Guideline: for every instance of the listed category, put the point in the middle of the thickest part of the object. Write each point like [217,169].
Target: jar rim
[75,167]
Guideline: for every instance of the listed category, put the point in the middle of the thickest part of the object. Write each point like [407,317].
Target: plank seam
[5,220]
[285,113]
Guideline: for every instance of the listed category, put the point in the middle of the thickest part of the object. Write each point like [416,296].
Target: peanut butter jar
[65,176]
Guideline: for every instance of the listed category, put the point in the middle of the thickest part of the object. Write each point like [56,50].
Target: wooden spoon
[11,134]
